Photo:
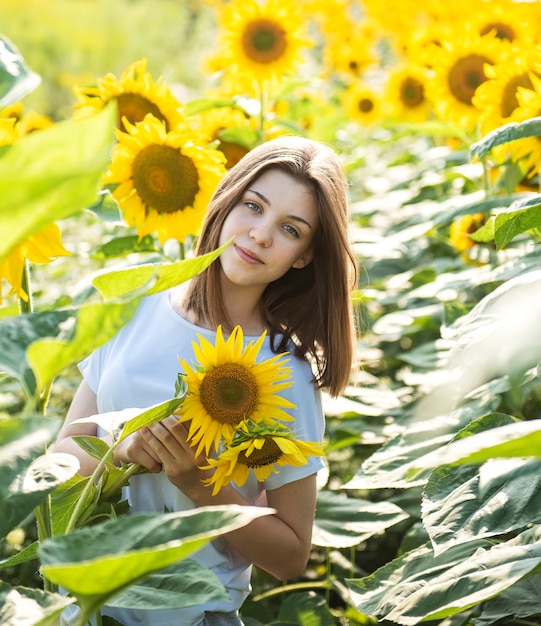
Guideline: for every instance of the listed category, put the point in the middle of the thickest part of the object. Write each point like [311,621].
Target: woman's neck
[242,307]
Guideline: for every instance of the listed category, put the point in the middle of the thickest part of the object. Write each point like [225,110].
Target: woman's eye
[291,230]
[253,206]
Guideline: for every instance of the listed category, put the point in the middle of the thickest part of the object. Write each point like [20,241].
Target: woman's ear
[304,260]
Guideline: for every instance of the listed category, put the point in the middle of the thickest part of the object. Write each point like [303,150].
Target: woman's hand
[167,442]
[135,449]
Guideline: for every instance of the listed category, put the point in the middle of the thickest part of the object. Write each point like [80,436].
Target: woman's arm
[83,405]
[278,543]
[132,449]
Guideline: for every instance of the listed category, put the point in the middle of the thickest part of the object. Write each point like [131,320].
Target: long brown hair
[310,307]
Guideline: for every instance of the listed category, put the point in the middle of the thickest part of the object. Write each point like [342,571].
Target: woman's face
[272,228]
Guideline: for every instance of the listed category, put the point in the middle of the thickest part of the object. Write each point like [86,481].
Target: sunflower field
[117,121]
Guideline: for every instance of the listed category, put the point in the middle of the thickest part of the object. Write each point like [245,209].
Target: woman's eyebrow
[260,196]
[267,202]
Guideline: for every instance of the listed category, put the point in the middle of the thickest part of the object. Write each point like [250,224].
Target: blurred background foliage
[71,42]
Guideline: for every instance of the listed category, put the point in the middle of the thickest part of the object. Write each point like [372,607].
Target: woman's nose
[261,235]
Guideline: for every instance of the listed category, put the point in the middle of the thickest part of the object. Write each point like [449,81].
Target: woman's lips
[247,256]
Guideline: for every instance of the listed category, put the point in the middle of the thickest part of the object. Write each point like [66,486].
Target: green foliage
[51,175]
[76,40]
[16,78]
[26,478]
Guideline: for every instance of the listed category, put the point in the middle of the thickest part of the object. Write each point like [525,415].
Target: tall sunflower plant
[46,177]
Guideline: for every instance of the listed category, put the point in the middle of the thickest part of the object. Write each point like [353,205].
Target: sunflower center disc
[166,180]
[509,97]
[229,393]
[134,107]
[267,455]
[466,75]
[413,93]
[365,105]
[264,41]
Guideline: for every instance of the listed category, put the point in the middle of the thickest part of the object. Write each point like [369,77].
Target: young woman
[289,271]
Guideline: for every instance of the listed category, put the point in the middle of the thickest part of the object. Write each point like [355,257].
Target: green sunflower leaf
[520,439]
[120,424]
[153,277]
[511,223]
[16,79]
[26,554]
[27,476]
[51,175]
[181,585]
[22,605]
[307,608]
[97,562]
[343,522]
[505,134]
[82,331]
[419,586]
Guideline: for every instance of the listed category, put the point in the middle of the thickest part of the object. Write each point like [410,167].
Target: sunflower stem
[26,306]
[262,107]
[131,469]
[328,574]
[43,516]
[486,180]
[72,523]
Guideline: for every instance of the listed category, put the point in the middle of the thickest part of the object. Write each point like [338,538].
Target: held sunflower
[261,448]
[136,94]
[165,179]
[228,385]
[262,40]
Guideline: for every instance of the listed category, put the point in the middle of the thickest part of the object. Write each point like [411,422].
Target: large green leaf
[78,333]
[158,276]
[343,522]
[390,465]
[21,605]
[66,497]
[521,439]
[497,337]
[17,333]
[184,584]
[94,563]
[521,216]
[51,175]
[505,134]
[455,510]
[30,553]
[306,608]
[521,600]
[122,423]
[420,586]
[26,477]
[16,79]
